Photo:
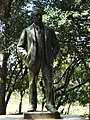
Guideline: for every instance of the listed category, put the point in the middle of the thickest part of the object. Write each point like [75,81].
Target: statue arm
[55,44]
[21,47]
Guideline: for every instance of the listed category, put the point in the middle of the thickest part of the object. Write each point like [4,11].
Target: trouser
[33,77]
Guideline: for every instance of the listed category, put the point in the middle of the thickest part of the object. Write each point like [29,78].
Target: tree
[71,21]
[11,13]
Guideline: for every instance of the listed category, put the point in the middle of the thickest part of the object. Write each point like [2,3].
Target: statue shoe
[51,108]
[31,109]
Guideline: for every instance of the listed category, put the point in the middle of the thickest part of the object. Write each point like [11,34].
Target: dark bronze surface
[38,46]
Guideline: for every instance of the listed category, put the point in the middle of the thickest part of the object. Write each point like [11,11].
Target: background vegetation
[71,71]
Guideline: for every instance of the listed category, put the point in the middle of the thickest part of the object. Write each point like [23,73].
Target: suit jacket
[27,45]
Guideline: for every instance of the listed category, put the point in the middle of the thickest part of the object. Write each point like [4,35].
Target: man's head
[37,16]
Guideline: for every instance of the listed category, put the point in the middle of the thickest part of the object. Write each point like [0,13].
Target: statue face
[37,18]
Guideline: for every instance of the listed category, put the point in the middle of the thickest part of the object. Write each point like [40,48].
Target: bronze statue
[39,46]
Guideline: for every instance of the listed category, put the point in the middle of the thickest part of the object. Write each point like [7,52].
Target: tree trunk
[69,108]
[20,104]
[3,84]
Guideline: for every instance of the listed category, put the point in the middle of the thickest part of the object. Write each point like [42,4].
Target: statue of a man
[39,46]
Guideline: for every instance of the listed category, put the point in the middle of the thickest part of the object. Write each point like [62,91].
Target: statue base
[41,115]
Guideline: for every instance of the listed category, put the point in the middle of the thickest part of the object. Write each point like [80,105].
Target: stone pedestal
[41,115]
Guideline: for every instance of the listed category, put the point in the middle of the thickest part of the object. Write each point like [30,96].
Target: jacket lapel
[33,32]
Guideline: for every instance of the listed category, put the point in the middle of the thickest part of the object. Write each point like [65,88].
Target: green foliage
[12,20]
[71,22]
